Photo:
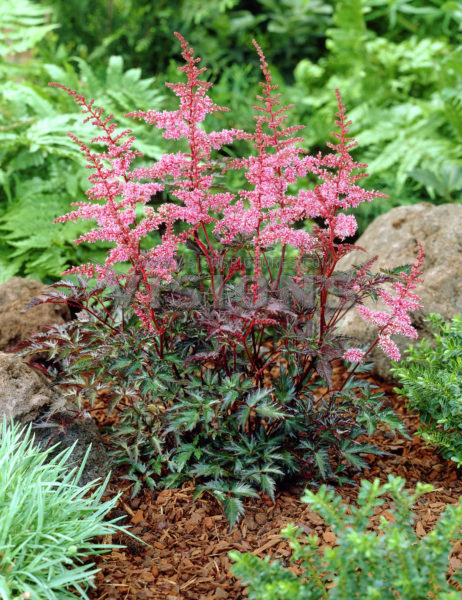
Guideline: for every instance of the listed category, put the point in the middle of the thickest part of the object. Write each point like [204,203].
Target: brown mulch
[187,556]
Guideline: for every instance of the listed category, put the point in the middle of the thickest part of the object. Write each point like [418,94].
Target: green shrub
[384,565]
[431,378]
[47,522]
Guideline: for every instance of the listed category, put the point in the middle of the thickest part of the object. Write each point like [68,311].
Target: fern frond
[23,24]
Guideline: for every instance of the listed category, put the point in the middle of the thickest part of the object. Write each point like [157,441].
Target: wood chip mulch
[187,556]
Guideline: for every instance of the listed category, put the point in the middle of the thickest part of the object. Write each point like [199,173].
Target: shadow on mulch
[189,542]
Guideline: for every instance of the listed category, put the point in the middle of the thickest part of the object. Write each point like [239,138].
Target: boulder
[23,390]
[25,396]
[67,426]
[394,236]
[25,393]
[15,325]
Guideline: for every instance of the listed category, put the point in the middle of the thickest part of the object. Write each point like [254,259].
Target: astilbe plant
[189,334]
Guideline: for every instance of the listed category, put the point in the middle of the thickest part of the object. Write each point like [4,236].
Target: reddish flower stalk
[397,321]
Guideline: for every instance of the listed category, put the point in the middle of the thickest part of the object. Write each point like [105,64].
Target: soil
[187,556]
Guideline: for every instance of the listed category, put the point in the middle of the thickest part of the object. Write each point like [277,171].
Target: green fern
[42,171]
[23,24]
[403,94]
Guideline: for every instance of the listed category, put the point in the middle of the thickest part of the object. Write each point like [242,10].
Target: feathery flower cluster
[268,212]
[339,190]
[398,320]
[191,171]
[116,218]
[355,355]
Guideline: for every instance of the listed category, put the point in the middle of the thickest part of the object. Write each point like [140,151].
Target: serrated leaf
[270,411]
[122,363]
[244,489]
[321,460]
[324,369]
[268,485]
[233,508]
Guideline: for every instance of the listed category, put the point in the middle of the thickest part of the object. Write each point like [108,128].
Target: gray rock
[25,393]
[15,325]
[25,396]
[23,390]
[394,238]
[65,428]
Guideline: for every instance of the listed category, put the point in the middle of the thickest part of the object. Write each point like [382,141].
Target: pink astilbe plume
[339,191]
[268,212]
[111,184]
[191,171]
[398,320]
[354,355]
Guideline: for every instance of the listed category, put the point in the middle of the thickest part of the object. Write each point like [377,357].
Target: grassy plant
[48,524]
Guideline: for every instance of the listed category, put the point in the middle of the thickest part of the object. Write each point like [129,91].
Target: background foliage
[398,64]
[402,87]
